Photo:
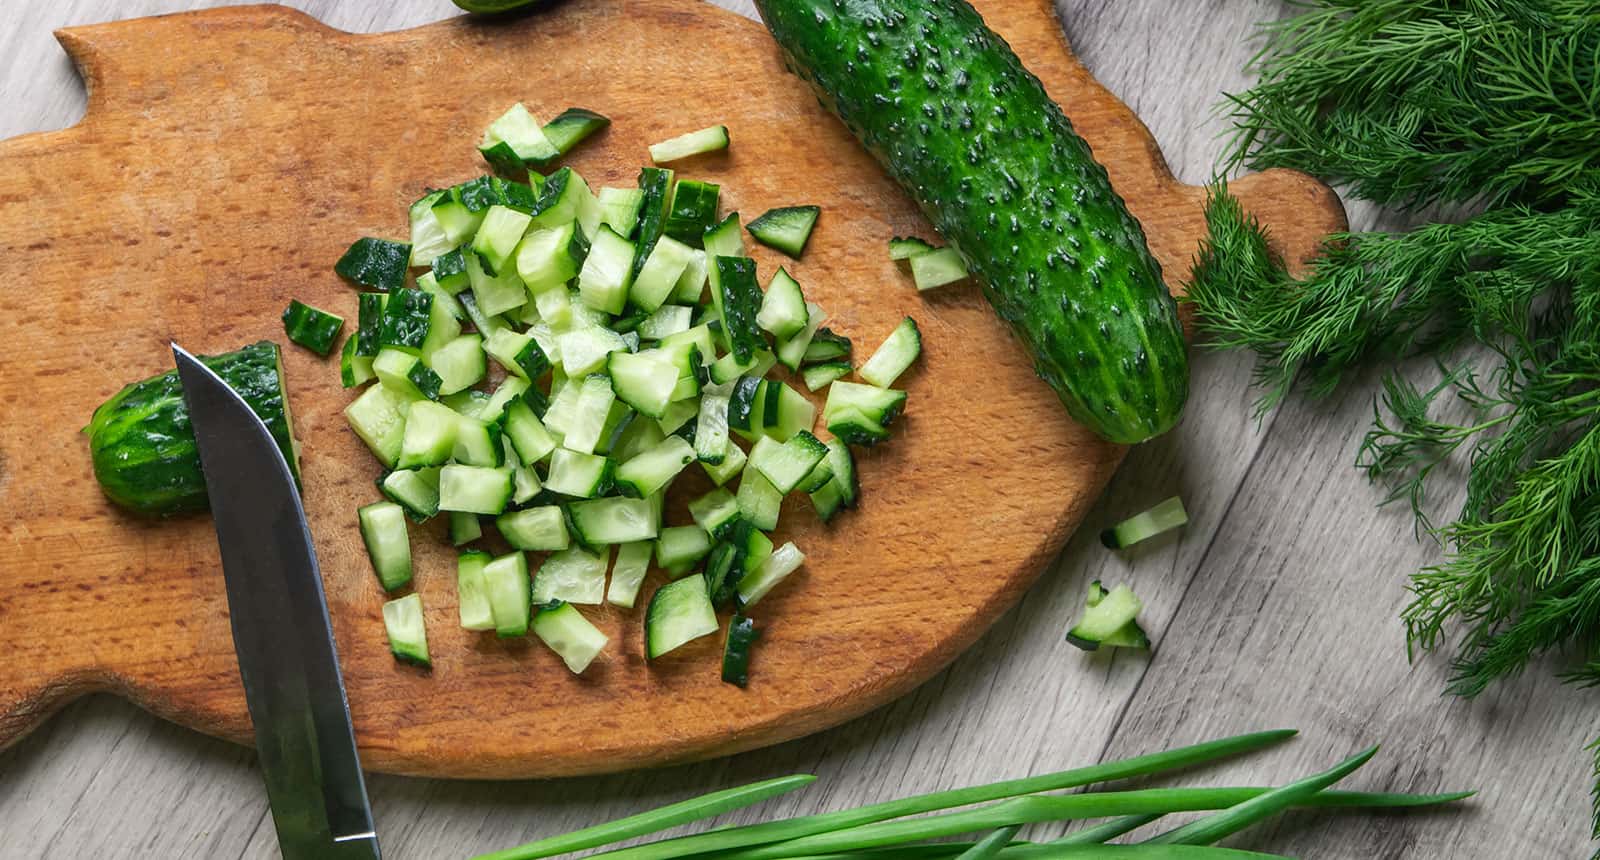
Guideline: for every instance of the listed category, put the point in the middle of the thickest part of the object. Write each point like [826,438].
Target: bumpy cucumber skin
[142,443]
[949,110]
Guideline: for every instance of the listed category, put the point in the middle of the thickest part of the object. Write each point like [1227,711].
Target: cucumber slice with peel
[787,229]
[408,636]
[679,612]
[686,145]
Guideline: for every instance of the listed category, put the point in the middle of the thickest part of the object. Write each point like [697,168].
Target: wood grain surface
[228,156]
[1274,607]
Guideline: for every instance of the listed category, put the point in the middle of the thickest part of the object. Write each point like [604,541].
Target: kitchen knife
[281,630]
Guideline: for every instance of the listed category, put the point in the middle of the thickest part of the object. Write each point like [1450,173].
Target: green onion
[990,845]
[794,828]
[1241,815]
[655,820]
[1109,830]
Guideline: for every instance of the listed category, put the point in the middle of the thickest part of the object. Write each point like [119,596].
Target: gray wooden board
[1275,607]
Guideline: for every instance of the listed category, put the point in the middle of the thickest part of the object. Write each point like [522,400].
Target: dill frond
[1411,102]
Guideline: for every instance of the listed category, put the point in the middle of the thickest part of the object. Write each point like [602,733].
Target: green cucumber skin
[142,443]
[949,110]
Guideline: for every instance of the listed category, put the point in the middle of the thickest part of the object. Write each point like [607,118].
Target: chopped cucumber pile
[1110,619]
[930,267]
[554,360]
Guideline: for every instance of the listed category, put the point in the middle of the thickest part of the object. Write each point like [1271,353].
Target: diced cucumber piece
[619,208]
[898,351]
[658,277]
[744,410]
[650,471]
[1167,515]
[383,530]
[547,259]
[443,300]
[783,308]
[562,199]
[1105,614]
[498,237]
[821,474]
[582,476]
[555,307]
[617,422]
[666,321]
[906,247]
[826,345]
[517,352]
[540,529]
[405,374]
[508,586]
[313,328]
[477,443]
[574,575]
[474,489]
[464,528]
[378,416]
[711,428]
[608,272]
[460,363]
[792,412]
[783,561]
[460,209]
[485,324]
[758,500]
[879,406]
[430,435]
[376,263]
[406,316]
[722,240]
[527,433]
[493,292]
[787,228]
[692,283]
[356,370]
[792,352]
[525,143]
[576,641]
[739,305]
[469,403]
[716,512]
[679,612]
[369,322]
[614,520]
[639,436]
[472,592]
[733,462]
[628,572]
[855,427]
[742,635]
[643,380]
[699,337]
[675,420]
[686,145]
[787,464]
[449,272]
[572,126]
[416,490]
[583,427]
[408,637]
[727,368]
[694,208]
[584,350]
[428,239]
[937,268]
[679,548]
[442,327]
[819,376]
[524,481]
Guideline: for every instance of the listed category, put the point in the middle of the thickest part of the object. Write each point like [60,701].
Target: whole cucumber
[949,110]
[142,443]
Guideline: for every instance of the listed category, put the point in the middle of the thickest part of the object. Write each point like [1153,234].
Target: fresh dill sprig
[1412,102]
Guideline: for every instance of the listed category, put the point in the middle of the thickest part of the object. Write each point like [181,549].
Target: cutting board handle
[122,74]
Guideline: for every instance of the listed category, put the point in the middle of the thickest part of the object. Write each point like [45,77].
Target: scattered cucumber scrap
[311,327]
[1110,618]
[1164,517]
[546,359]
[931,267]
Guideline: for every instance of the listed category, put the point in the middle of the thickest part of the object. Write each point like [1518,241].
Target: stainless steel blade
[280,629]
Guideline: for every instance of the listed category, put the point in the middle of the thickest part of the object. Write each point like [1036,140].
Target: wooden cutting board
[227,159]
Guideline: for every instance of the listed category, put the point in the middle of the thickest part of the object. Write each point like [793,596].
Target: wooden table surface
[1276,607]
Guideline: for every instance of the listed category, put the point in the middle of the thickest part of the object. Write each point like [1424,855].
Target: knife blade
[281,631]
